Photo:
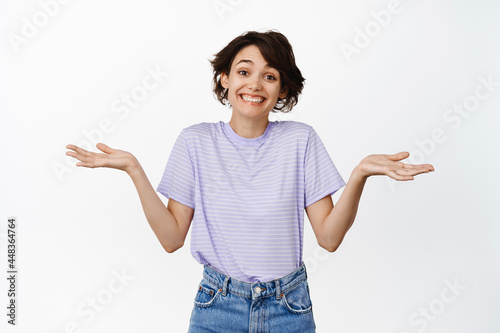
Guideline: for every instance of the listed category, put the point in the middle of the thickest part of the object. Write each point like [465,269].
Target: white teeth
[250,99]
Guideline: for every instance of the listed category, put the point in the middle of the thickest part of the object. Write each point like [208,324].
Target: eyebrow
[250,61]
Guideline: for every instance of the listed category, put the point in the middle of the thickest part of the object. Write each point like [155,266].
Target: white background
[78,227]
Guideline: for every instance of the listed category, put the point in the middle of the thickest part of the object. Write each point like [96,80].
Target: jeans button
[257,290]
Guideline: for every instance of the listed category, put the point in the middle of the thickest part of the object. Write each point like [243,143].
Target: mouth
[252,99]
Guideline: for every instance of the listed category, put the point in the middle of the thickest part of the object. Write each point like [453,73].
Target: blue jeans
[223,304]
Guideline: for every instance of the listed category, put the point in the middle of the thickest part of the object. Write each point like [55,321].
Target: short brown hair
[278,53]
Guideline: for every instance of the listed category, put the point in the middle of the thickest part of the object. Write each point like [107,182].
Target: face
[253,86]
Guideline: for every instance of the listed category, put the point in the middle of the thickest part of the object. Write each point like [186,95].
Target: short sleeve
[321,175]
[178,180]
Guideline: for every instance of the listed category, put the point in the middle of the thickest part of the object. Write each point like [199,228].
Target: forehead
[250,55]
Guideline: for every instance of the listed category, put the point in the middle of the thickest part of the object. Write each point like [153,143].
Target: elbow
[331,247]
[333,244]
[172,249]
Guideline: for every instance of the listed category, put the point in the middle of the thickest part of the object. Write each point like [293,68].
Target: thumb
[104,148]
[399,156]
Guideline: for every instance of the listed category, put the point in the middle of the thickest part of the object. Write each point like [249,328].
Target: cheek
[277,93]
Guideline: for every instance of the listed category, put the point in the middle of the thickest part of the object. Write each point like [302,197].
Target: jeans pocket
[297,299]
[207,294]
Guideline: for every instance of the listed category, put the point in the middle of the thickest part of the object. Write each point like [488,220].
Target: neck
[249,128]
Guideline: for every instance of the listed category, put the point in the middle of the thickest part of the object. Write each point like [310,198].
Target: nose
[255,83]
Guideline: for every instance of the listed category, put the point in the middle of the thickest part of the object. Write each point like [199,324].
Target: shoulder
[203,126]
[202,135]
[296,128]
[201,129]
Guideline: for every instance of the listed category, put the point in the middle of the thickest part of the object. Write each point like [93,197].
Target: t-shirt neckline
[248,141]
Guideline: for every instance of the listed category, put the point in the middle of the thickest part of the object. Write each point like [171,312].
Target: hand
[381,164]
[113,158]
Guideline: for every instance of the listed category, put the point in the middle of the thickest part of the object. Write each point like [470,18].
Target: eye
[244,71]
[271,77]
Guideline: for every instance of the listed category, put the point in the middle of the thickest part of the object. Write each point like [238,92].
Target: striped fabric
[249,195]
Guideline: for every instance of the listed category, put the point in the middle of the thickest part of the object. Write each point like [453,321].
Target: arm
[330,224]
[341,217]
[170,224]
[163,220]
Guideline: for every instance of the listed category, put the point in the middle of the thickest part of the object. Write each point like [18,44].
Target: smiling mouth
[248,98]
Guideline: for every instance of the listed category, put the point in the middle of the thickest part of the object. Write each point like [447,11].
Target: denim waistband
[256,289]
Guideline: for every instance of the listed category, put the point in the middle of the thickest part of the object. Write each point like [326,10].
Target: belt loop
[224,286]
[278,289]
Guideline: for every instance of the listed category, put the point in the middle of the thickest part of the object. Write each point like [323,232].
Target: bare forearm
[342,216]
[159,217]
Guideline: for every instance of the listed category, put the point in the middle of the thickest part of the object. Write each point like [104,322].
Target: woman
[244,185]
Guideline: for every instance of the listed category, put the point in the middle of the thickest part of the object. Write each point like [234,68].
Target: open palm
[381,164]
[112,158]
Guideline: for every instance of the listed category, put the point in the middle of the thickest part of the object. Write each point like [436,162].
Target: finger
[393,174]
[79,150]
[416,166]
[73,147]
[87,165]
[72,154]
[83,160]
[104,148]
[417,172]
[399,156]
[413,172]
[421,167]
[81,156]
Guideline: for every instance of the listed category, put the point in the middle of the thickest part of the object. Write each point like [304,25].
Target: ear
[224,80]
[283,93]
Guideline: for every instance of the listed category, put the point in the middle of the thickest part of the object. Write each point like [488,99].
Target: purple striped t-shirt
[249,194]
